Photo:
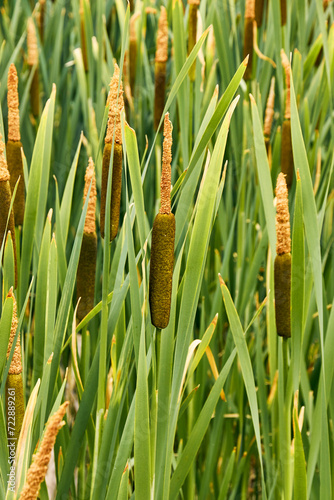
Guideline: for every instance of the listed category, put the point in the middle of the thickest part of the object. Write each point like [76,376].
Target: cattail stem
[83,35]
[161,57]
[282,265]
[114,132]
[192,32]
[163,237]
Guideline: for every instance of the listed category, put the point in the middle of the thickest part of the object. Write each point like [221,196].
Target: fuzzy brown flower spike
[14,146]
[161,54]
[269,114]
[283,243]
[4,174]
[38,468]
[115,107]
[90,216]
[166,173]
[87,260]
[282,265]
[16,364]
[32,43]
[162,248]
[14,382]
[13,105]
[116,104]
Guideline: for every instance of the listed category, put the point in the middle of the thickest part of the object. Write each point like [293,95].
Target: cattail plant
[33,64]
[269,115]
[14,145]
[14,382]
[248,37]
[192,31]
[83,35]
[163,236]
[259,6]
[282,267]
[37,470]
[5,198]
[161,56]
[286,146]
[87,260]
[116,104]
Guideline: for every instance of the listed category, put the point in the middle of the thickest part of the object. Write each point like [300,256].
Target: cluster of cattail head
[14,383]
[33,64]
[14,154]
[87,261]
[161,56]
[5,201]
[282,267]
[248,37]
[269,115]
[113,141]
[37,471]
[286,145]
[259,6]
[163,237]
[192,32]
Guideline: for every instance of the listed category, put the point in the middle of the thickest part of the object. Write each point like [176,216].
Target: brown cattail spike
[269,113]
[38,468]
[165,184]
[90,216]
[161,54]
[16,364]
[32,43]
[287,69]
[116,104]
[283,243]
[13,105]
[192,32]
[250,9]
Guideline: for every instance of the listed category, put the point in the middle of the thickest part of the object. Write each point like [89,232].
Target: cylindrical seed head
[16,364]
[269,113]
[287,69]
[32,43]
[283,242]
[13,105]
[90,215]
[166,174]
[161,54]
[282,279]
[116,104]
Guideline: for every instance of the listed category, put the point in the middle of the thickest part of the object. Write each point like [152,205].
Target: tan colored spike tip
[38,468]
[269,114]
[161,54]
[283,242]
[116,104]
[13,105]
[4,174]
[90,215]
[250,9]
[32,43]
[16,364]
[166,174]
[287,70]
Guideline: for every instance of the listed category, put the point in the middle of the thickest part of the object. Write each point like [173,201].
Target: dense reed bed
[167,257]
